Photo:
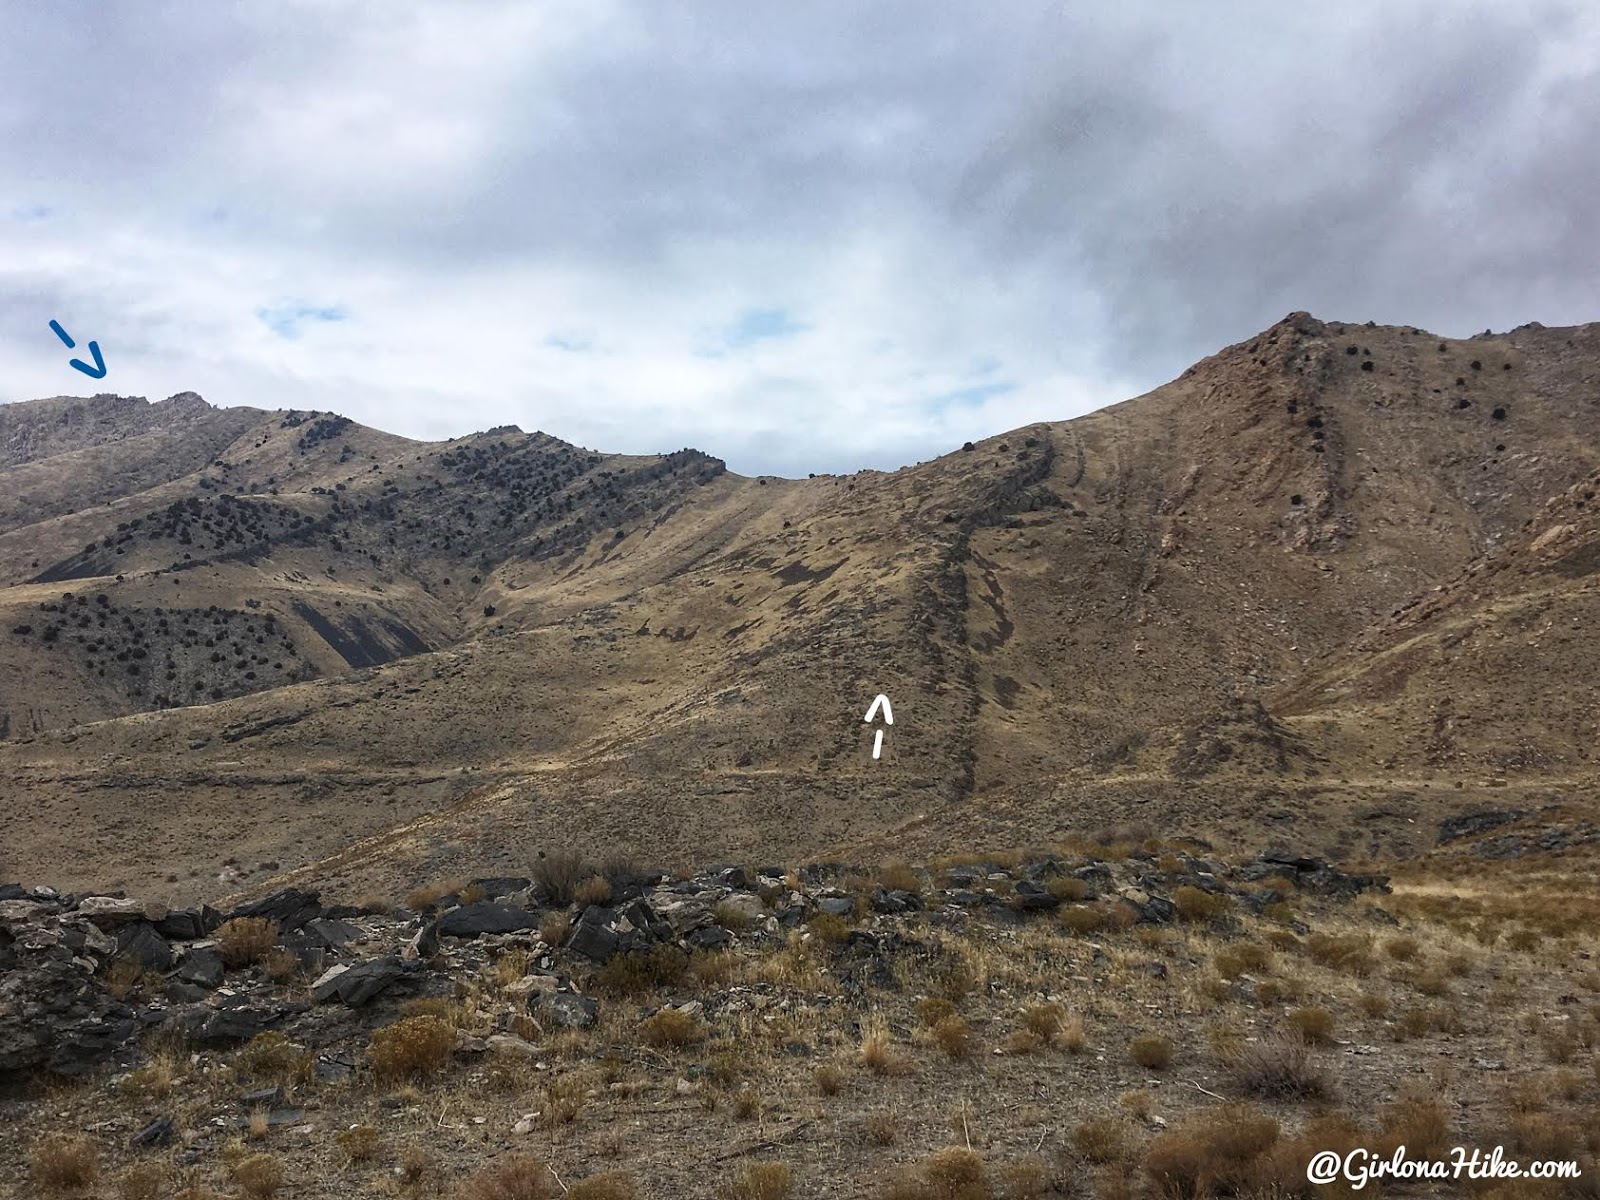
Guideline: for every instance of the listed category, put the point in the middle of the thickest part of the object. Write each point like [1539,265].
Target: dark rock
[55,1015]
[329,1069]
[202,966]
[1032,897]
[567,1010]
[290,908]
[225,1026]
[895,900]
[13,891]
[1471,824]
[142,944]
[710,937]
[836,906]
[730,877]
[1156,910]
[331,933]
[185,925]
[1097,875]
[271,1097]
[158,1133]
[473,920]
[360,983]
[645,920]
[180,992]
[592,936]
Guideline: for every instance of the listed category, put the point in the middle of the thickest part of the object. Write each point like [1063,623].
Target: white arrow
[888,719]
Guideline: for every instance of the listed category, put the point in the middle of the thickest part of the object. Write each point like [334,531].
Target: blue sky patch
[971,397]
[285,320]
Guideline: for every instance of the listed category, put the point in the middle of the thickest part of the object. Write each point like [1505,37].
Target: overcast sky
[801,236]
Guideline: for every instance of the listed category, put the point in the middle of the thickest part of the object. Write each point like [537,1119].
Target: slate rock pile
[83,976]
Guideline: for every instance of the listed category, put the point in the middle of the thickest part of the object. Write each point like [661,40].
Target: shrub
[876,1054]
[933,1009]
[1196,905]
[1313,1024]
[258,1176]
[1067,887]
[143,1181]
[1347,953]
[1082,918]
[898,877]
[952,1174]
[513,1177]
[954,1037]
[671,1028]
[359,1142]
[880,1129]
[554,927]
[1279,1068]
[828,928]
[732,918]
[1415,1120]
[411,1048]
[272,1058]
[559,873]
[610,1185]
[1151,1051]
[761,1181]
[594,890]
[1211,1153]
[62,1162]
[281,964]
[1402,949]
[430,894]
[1044,1021]
[1238,958]
[638,972]
[829,1080]
[246,940]
[1101,1139]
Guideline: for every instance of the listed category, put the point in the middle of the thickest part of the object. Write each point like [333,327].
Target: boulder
[143,945]
[227,1026]
[54,1014]
[501,885]
[202,966]
[184,925]
[1033,897]
[474,920]
[568,1010]
[291,909]
[710,937]
[107,911]
[592,935]
[331,934]
[355,986]
[836,906]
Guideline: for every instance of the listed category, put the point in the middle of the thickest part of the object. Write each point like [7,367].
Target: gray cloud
[951,218]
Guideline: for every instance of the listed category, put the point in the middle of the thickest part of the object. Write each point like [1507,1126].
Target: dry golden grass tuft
[1348,954]
[953,1035]
[62,1162]
[732,918]
[1416,1120]
[555,927]
[880,1128]
[877,1055]
[1198,906]
[257,1176]
[1312,1024]
[1279,1067]
[1239,958]
[594,890]
[955,1173]
[512,1177]
[609,1185]
[1215,1152]
[671,1028]
[829,1079]
[761,1181]
[638,973]
[1101,1140]
[246,940]
[899,877]
[1403,948]
[144,1181]
[1081,918]
[429,894]
[272,1058]
[359,1143]
[1151,1051]
[281,964]
[411,1048]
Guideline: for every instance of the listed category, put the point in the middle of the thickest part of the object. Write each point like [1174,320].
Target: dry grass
[876,1053]
[881,1128]
[257,1176]
[1416,1120]
[144,1181]
[1312,1024]
[1197,906]
[558,873]
[610,1185]
[411,1048]
[429,894]
[953,1035]
[761,1181]
[1279,1068]
[246,940]
[594,890]
[1215,1152]
[671,1029]
[1151,1051]
[1239,958]
[1101,1140]
[512,1177]
[955,1173]
[272,1058]
[555,927]
[829,1080]
[359,1143]
[62,1162]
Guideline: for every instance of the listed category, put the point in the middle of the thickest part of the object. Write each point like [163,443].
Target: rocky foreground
[1111,1021]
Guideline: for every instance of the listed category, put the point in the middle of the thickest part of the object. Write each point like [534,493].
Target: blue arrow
[98,371]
